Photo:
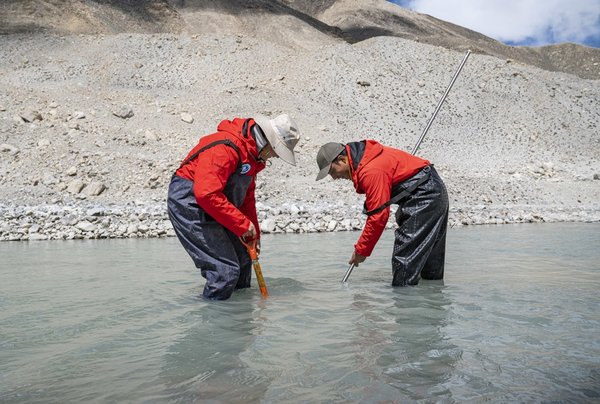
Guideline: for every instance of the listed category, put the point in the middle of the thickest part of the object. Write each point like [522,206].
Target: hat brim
[324,172]
[280,149]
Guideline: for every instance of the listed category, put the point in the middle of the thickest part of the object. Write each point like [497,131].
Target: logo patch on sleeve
[245,168]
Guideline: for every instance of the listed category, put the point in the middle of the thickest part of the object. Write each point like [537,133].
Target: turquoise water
[516,320]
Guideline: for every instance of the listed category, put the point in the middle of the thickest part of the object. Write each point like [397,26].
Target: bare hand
[250,234]
[356,259]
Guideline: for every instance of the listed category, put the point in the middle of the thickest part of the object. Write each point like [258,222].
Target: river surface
[516,319]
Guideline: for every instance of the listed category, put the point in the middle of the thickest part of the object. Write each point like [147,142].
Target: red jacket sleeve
[211,175]
[377,187]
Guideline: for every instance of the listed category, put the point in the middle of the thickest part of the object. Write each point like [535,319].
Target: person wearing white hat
[211,200]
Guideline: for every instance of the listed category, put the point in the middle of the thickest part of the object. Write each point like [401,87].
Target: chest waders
[422,217]
[218,253]
[399,192]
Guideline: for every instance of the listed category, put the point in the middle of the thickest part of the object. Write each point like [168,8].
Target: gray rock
[31,116]
[187,118]
[43,143]
[124,112]
[75,186]
[5,147]
[95,188]
[69,219]
[86,226]
[97,211]
[268,226]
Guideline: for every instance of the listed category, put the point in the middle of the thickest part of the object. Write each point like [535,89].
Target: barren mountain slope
[88,16]
[362,19]
[296,22]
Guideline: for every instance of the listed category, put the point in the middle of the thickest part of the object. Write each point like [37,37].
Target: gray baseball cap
[327,153]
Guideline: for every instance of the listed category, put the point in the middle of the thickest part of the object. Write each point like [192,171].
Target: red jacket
[212,170]
[375,169]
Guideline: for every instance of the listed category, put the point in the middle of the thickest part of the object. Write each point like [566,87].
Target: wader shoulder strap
[208,146]
[399,193]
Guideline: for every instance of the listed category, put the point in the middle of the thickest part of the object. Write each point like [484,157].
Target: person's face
[339,168]
[266,153]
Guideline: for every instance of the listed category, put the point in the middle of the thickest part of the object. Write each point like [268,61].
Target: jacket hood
[372,150]
[361,153]
[235,128]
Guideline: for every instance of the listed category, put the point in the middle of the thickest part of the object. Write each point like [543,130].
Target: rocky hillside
[92,126]
[350,20]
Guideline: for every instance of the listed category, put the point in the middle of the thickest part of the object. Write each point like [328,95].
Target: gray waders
[422,218]
[218,253]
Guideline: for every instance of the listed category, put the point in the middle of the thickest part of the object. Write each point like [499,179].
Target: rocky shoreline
[141,220]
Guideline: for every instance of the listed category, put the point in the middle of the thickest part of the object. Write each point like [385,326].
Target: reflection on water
[515,320]
[204,363]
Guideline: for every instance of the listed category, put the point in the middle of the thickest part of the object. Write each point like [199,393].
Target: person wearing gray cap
[211,200]
[390,176]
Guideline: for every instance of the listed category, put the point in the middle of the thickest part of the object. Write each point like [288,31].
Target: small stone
[268,226]
[75,186]
[124,112]
[31,116]
[5,147]
[86,226]
[187,118]
[94,189]
[149,135]
[43,143]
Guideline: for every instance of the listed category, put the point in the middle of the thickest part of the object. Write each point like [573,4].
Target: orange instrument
[251,247]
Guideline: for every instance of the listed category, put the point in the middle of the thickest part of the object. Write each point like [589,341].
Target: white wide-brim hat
[282,134]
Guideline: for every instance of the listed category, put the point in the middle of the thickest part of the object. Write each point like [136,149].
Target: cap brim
[324,172]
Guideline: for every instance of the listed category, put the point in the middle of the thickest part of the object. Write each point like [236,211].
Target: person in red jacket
[211,200]
[391,176]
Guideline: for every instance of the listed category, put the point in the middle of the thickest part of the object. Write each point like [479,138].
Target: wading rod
[348,272]
[440,103]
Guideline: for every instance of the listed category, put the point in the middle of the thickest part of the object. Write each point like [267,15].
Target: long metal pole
[349,271]
[440,103]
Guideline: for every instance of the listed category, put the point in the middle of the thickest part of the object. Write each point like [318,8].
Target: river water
[516,319]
